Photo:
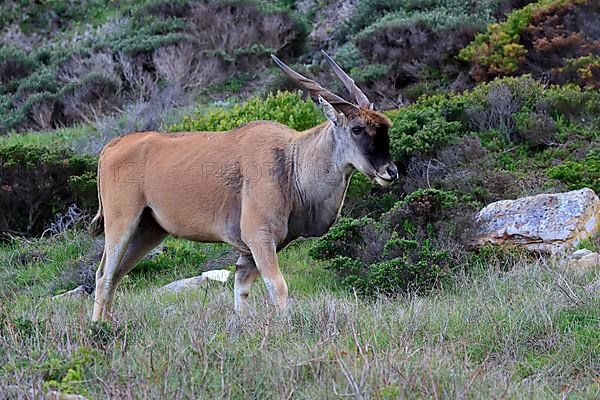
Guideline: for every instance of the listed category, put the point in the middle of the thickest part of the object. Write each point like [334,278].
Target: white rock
[546,222]
[588,261]
[184,284]
[79,292]
[580,253]
[219,275]
[16,392]
[54,395]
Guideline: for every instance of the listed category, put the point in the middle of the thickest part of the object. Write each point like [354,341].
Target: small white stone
[590,261]
[80,292]
[54,395]
[219,275]
[586,262]
[184,284]
[580,253]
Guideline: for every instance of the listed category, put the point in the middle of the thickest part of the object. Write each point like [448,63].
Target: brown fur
[374,118]
[204,187]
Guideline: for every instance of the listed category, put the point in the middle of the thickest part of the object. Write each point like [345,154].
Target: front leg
[264,253]
[263,225]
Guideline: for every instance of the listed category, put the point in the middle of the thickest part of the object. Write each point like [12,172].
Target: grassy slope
[524,329]
[55,137]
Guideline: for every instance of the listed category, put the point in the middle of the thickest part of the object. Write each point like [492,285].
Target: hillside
[489,100]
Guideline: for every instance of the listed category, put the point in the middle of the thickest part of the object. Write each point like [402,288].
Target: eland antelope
[257,187]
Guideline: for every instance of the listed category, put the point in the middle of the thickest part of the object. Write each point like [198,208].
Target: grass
[61,136]
[523,329]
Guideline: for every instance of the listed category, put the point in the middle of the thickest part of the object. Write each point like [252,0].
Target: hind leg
[245,274]
[117,237]
[146,237]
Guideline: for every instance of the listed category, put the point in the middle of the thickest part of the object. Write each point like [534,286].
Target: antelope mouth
[383,181]
[380,180]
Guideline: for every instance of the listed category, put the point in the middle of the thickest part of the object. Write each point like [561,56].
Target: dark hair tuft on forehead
[374,119]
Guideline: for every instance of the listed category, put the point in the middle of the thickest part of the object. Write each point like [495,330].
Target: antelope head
[361,134]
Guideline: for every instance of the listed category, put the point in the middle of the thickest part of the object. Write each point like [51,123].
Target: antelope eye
[357,130]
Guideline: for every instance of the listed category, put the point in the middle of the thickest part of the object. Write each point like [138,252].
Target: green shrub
[43,80]
[498,105]
[536,128]
[339,237]
[406,249]
[68,374]
[438,16]
[422,131]
[499,50]
[129,47]
[578,105]
[426,126]
[145,34]
[231,85]
[369,73]
[45,17]
[14,64]
[38,182]
[579,174]
[284,107]
[369,15]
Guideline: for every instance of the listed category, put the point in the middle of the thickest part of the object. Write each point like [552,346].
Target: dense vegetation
[151,50]
[37,183]
[453,149]
[547,36]
[489,100]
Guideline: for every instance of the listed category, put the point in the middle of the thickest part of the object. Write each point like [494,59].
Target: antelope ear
[330,113]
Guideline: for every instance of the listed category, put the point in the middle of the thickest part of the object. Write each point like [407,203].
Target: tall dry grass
[526,329]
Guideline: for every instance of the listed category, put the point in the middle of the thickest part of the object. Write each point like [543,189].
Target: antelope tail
[96,227]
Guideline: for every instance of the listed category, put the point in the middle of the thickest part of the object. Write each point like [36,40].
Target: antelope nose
[392,171]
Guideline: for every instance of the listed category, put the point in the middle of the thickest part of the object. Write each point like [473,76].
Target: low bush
[287,108]
[540,38]
[401,49]
[579,174]
[584,70]
[369,15]
[414,246]
[427,125]
[156,44]
[67,374]
[496,105]
[15,64]
[421,130]
[509,108]
[38,182]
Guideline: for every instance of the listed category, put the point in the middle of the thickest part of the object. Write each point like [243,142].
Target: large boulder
[545,223]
